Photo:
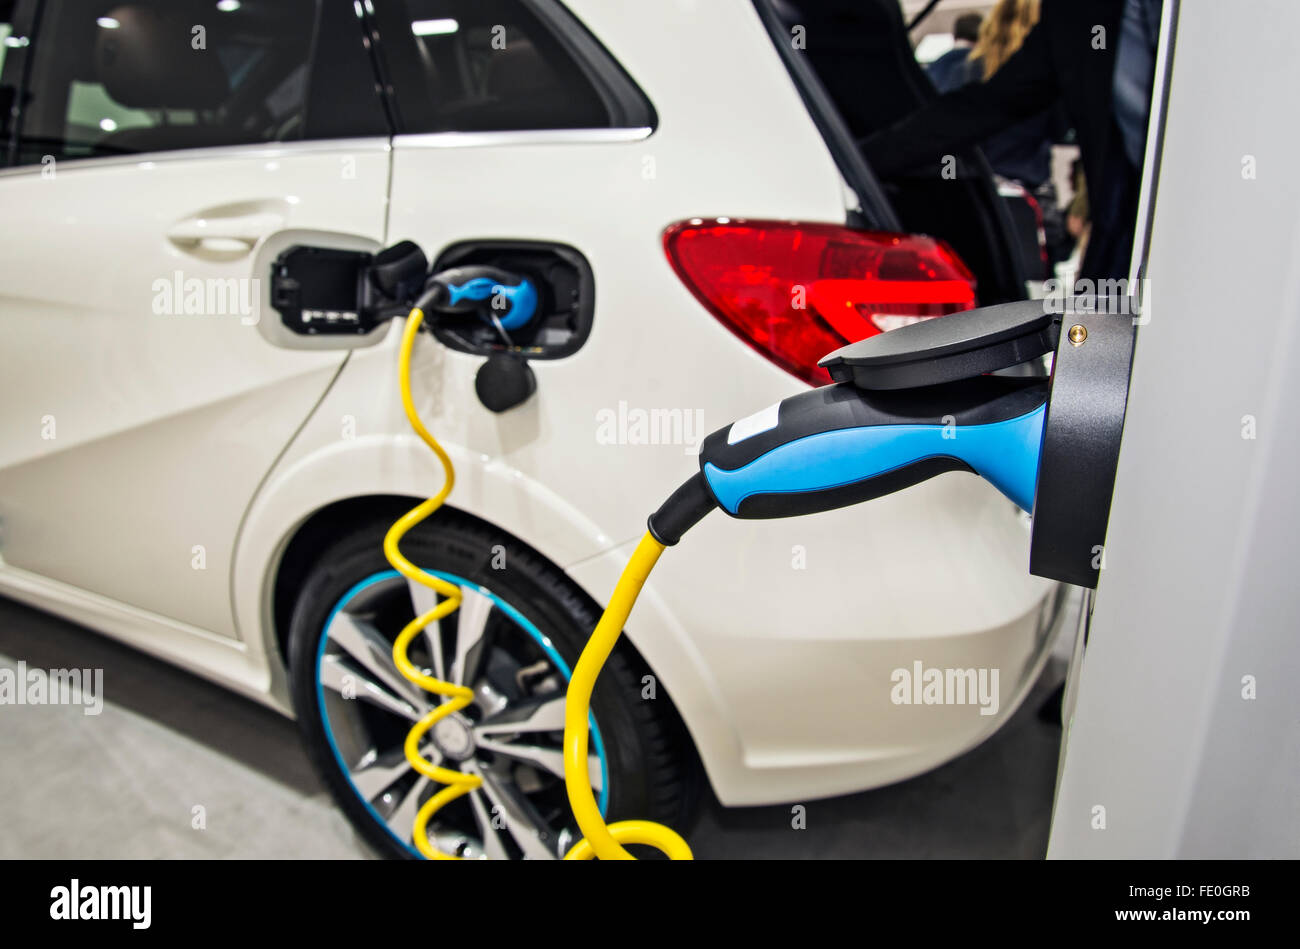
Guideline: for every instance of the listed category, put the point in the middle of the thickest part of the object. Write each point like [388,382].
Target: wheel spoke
[544,714]
[368,646]
[550,759]
[423,599]
[402,820]
[492,844]
[375,773]
[523,826]
[471,624]
[335,672]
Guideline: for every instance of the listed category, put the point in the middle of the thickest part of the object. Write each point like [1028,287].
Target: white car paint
[776,640]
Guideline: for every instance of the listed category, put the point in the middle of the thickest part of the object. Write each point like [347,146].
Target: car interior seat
[148,63]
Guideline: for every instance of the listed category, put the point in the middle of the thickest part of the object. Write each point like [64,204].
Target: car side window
[482,65]
[112,78]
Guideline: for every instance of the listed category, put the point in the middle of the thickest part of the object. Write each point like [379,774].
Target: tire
[642,747]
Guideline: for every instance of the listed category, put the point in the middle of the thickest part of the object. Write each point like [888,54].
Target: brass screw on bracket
[1078,333]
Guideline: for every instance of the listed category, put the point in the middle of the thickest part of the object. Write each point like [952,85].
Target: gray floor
[126,783]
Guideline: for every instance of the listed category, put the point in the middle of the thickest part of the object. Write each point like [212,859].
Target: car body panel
[144,435]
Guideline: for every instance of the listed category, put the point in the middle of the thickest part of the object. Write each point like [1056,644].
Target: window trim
[263,150]
[521,137]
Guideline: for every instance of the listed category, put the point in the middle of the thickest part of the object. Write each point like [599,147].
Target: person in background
[1098,59]
[1022,152]
[948,72]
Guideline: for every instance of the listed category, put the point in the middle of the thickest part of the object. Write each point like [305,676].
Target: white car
[191,466]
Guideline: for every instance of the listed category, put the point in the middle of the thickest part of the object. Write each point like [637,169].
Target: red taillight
[795,292]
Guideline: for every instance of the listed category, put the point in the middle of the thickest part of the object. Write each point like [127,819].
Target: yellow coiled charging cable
[602,840]
[458,782]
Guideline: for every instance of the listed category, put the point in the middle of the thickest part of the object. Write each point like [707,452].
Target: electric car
[188,469]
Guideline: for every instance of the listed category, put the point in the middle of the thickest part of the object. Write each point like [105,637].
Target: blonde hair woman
[1002,32]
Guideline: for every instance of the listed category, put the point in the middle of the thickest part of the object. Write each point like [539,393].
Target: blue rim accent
[519,619]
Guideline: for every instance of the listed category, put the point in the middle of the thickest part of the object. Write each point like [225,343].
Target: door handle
[226,234]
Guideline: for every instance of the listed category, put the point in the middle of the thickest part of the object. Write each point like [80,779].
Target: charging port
[567,299]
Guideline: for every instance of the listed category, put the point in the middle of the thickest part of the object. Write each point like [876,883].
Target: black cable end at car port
[684,509]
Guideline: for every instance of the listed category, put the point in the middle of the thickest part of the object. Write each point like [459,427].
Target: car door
[159,155]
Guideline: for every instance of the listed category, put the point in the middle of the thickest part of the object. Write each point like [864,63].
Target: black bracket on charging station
[1081,441]
[1093,344]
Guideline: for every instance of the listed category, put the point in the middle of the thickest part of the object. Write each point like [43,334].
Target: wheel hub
[453,738]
